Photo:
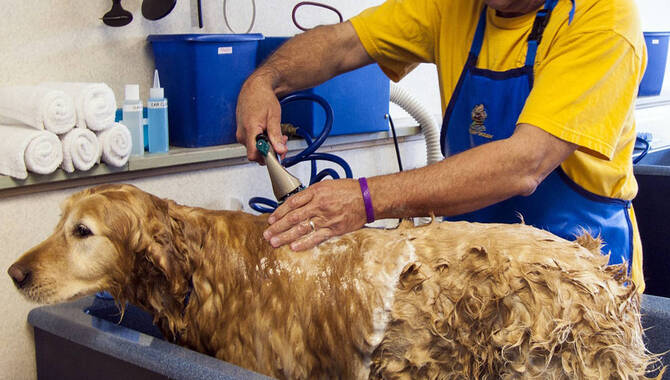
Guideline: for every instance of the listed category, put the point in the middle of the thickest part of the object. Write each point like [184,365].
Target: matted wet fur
[447,300]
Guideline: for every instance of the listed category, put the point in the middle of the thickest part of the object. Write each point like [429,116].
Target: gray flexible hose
[429,128]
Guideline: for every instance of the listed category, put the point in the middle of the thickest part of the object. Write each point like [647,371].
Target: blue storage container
[657,54]
[202,75]
[360,99]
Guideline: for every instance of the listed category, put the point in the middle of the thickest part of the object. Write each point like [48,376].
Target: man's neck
[532,6]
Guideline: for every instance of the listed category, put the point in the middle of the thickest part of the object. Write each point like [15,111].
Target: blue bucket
[202,75]
[657,54]
[359,99]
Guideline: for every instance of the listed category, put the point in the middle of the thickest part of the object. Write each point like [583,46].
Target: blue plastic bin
[360,99]
[202,75]
[657,54]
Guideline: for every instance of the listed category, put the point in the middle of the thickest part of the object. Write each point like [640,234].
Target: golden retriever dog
[446,300]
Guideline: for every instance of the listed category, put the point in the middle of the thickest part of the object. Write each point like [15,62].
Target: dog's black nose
[20,275]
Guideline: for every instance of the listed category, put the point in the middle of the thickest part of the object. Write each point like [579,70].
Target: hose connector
[284,184]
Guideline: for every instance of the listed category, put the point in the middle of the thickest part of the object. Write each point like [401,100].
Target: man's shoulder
[620,16]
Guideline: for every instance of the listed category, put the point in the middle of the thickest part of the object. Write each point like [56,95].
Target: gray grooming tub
[652,209]
[70,343]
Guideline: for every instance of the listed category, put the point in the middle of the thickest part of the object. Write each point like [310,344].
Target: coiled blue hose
[265,205]
[645,149]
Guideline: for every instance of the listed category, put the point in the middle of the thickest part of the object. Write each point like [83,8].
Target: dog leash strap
[367,200]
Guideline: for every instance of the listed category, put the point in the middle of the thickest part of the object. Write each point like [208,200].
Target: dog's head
[105,233]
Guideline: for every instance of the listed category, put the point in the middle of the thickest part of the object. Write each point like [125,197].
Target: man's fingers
[311,239]
[302,236]
[295,232]
[274,132]
[252,153]
[293,203]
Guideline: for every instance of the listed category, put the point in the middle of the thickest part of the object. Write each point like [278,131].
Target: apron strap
[535,36]
[478,39]
[541,21]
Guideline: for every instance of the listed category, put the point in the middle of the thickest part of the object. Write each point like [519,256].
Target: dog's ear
[160,241]
[162,252]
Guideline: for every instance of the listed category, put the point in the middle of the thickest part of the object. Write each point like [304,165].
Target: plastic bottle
[158,118]
[132,118]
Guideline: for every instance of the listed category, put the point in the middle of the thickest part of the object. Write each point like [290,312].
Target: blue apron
[484,107]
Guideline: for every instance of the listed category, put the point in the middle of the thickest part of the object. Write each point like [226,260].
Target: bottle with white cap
[157,116]
[132,118]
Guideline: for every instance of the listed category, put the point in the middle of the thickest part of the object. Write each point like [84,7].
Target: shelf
[183,159]
[652,101]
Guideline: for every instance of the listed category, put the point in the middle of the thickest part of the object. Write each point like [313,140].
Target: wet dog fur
[446,300]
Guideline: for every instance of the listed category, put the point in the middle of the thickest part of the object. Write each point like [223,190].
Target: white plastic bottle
[158,118]
[132,118]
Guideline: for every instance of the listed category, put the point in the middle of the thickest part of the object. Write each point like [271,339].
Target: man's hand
[335,207]
[302,62]
[258,111]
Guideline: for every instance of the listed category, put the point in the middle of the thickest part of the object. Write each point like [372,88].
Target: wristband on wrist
[367,200]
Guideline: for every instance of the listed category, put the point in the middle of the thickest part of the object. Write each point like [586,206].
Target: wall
[52,40]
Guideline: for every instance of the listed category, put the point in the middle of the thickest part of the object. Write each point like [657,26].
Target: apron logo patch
[477,126]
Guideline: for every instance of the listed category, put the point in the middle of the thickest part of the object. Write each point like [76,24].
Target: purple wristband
[367,200]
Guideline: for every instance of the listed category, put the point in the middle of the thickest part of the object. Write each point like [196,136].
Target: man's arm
[473,179]
[462,183]
[302,62]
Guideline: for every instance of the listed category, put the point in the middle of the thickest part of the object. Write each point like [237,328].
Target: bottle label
[132,108]
[157,103]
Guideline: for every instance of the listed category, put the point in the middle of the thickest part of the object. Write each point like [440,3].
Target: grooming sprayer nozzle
[284,184]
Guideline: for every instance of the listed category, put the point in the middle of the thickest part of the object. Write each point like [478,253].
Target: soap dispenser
[157,117]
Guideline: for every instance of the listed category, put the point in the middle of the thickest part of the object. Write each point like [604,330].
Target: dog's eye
[82,231]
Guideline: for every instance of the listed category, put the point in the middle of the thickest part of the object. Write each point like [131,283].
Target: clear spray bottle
[157,117]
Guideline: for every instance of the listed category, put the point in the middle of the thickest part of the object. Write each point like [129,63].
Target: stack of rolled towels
[59,124]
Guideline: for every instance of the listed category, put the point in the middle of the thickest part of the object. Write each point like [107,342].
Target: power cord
[395,142]
[315,4]
[253,16]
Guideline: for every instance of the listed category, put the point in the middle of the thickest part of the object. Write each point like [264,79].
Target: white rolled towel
[94,102]
[38,107]
[80,150]
[115,145]
[24,149]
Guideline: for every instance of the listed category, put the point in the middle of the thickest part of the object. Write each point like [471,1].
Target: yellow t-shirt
[586,74]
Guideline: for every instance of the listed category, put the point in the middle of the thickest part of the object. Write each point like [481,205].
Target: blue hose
[328,125]
[645,149]
[256,202]
[265,205]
